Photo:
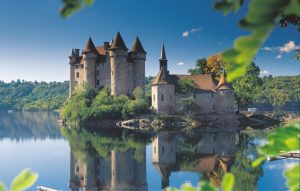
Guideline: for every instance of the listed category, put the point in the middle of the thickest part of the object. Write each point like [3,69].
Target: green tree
[201,65]
[185,86]
[278,98]
[248,86]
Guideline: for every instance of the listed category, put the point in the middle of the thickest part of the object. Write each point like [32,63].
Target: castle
[207,95]
[110,65]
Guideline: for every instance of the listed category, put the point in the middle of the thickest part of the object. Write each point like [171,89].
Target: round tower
[119,66]
[225,96]
[137,56]
[89,60]
[72,62]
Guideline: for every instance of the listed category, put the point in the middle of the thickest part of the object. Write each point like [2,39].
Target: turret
[89,60]
[163,62]
[137,56]
[73,60]
[119,66]
[225,95]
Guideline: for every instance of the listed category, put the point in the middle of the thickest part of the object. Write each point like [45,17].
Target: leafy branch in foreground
[260,20]
[226,185]
[72,6]
[283,140]
[21,182]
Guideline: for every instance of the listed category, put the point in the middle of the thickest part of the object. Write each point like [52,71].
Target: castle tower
[137,56]
[225,95]
[89,60]
[163,88]
[163,62]
[72,62]
[119,66]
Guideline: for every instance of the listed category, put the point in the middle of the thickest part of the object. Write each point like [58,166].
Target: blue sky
[35,40]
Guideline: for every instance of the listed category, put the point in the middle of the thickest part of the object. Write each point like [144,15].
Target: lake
[113,159]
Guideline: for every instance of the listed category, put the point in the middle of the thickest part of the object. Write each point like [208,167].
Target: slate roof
[89,47]
[137,46]
[202,83]
[163,77]
[118,42]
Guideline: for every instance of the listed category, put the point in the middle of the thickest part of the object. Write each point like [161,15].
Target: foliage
[248,86]
[138,93]
[281,141]
[280,90]
[292,175]
[215,66]
[201,65]
[227,185]
[185,86]
[72,6]
[88,103]
[33,95]
[260,20]
[85,143]
[246,177]
[22,181]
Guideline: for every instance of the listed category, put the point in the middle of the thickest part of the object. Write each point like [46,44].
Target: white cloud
[283,166]
[267,48]
[288,47]
[180,64]
[279,56]
[185,34]
[264,72]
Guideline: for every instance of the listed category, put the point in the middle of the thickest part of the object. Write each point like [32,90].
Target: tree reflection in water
[114,159]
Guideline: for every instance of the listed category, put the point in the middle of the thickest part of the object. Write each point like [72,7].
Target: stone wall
[138,60]
[224,101]
[89,60]
[163,99]
[119,73]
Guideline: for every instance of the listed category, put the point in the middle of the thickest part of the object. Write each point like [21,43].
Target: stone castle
[207,95]
[110,65]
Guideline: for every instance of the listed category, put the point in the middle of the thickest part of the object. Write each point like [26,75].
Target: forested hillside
[275,91]
[33,95]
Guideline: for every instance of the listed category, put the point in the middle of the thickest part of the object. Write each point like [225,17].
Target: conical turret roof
[89,47]
[137,46]
[223,84]
[163,53]
[118,42]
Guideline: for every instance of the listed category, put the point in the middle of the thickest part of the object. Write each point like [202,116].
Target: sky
[35,40]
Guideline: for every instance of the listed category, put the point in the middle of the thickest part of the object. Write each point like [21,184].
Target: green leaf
[228,182]
[258,161]
[24,180]
[89,2]
[2,187]
[292,176]
[206,186]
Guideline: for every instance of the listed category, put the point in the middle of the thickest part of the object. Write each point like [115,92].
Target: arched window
[162,97]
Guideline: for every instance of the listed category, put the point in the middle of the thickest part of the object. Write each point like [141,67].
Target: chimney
[106,45]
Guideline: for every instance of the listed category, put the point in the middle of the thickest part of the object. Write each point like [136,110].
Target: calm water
[121,160]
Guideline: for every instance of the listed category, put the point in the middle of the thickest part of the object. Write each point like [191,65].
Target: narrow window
[76,66]
[163,150]
[212,95]
[162,97]
[112,72]
[154,97]
[98,72]
[194,96]
[77,169]
[98,82]
[154,149]
[77,74]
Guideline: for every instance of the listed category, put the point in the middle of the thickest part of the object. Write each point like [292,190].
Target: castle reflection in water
[124,167]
